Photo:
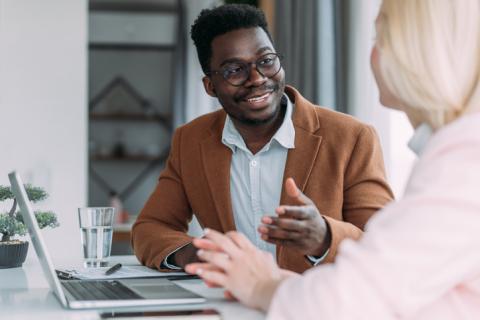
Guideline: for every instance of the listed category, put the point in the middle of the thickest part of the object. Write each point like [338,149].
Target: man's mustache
[263,88]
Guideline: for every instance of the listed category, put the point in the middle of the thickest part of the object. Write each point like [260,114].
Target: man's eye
[233,70]
[266,61]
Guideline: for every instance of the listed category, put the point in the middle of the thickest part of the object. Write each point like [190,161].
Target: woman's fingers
[215,277]
[206,244]
[193,267]
[229,296]
[240,240]
[217,259]
[222,241]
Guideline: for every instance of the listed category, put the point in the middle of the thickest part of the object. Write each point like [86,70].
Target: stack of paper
[123,273]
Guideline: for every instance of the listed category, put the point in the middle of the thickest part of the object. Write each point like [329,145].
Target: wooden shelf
[131,46]
[148,6]
[130,117]
[139,158]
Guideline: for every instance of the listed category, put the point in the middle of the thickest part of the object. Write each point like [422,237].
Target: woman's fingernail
[199,272]
[200,252]
[206,231]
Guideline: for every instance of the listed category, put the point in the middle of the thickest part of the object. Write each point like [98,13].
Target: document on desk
[124,272]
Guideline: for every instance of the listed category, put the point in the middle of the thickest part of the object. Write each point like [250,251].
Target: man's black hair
[211,23]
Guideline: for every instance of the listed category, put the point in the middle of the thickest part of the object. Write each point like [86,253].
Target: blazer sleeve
[365,190]
[162,224]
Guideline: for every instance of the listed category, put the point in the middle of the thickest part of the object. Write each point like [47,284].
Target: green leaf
[34,194]
[5,193]
[11,226]
[44,219]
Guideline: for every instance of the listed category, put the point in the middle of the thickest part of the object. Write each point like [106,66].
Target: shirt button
[253,163]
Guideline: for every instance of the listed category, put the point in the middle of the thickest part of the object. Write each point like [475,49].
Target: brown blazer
[337,162]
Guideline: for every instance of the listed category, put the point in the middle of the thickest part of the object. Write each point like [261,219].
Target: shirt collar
[420,138]
[285,135]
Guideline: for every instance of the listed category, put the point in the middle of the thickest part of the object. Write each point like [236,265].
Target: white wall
[43,113]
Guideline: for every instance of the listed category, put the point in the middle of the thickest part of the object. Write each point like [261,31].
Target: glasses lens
[268,65]
[235,73]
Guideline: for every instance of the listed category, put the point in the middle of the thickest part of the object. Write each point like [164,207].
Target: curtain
[309,33]
[190,99]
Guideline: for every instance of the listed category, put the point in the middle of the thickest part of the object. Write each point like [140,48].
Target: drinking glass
[96,231]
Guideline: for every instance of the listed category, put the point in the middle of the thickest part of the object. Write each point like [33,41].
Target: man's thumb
[295,194]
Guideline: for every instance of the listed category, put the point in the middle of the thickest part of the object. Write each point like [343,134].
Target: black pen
[113,269]
[62,275]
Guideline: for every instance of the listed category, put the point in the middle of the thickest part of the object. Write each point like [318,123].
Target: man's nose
[255,78]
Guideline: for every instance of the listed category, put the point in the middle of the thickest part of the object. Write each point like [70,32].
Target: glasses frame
[249,69]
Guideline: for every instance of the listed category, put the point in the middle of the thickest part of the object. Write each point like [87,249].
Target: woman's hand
[234,263]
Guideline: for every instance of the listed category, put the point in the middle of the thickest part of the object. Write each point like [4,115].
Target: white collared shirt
[256,179]
[420,138]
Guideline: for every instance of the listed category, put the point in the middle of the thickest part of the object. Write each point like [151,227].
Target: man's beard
[275,88]
[259,122]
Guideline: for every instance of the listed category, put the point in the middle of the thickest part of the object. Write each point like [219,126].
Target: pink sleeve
[419,256]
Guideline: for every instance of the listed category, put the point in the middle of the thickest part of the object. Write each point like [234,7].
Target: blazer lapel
[301,159]
[216,159]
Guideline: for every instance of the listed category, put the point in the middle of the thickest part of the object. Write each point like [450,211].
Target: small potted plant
[13,251]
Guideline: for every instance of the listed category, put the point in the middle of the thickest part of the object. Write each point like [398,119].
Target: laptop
[88,294]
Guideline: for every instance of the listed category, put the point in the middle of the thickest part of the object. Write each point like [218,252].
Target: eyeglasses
[237,73]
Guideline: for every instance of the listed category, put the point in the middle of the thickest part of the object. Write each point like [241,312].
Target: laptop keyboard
[99,290]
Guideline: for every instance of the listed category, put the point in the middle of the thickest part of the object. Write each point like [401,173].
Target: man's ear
[209,88]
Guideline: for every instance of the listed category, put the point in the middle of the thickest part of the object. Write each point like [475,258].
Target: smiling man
[231,168]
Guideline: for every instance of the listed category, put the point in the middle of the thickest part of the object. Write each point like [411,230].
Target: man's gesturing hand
[300,226]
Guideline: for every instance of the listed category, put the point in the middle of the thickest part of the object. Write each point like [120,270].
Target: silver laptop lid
[29,218]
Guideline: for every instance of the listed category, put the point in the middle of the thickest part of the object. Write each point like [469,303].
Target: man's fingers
[294,192]
[267,219]
[297,212]
[279,233]
[287,224]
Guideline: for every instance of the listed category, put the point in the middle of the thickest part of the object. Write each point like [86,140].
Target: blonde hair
[430,56]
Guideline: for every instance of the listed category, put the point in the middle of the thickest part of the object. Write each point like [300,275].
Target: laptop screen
[29,218]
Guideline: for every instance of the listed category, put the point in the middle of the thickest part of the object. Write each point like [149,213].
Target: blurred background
[91,91]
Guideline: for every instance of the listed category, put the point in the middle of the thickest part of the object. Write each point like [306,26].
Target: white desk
[24,294]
